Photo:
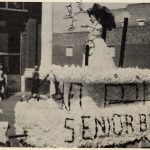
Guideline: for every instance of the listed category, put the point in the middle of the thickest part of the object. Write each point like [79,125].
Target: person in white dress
[99,55]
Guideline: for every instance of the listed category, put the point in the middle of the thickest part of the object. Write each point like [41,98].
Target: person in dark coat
[35,83]
[2,83]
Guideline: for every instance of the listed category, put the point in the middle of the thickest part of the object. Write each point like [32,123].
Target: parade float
[79,118]
[80,109]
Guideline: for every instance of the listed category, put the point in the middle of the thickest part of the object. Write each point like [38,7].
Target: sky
[60,10]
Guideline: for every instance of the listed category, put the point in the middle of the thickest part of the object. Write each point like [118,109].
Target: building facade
[28,38]
[19,39]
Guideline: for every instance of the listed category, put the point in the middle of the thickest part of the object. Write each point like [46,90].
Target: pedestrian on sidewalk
[2,83]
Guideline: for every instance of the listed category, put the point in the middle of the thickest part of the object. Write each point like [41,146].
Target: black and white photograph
[74,74]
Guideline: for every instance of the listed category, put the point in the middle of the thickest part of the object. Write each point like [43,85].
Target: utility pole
[123,42]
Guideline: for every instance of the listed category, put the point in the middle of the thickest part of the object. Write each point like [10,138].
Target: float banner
[90,126]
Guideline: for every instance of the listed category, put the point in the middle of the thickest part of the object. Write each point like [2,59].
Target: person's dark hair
[102,15]
[95,11]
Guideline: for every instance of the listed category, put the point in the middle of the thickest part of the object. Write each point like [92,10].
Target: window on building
[10,52]
[12,5]
[15,5]
[140,22]
[14,64]
[14,42]
[2,23]
[10,63]
[2,4]
[69,51]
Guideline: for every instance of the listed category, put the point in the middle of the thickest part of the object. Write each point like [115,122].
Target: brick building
[19,39]
[31,40]
[137,51]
